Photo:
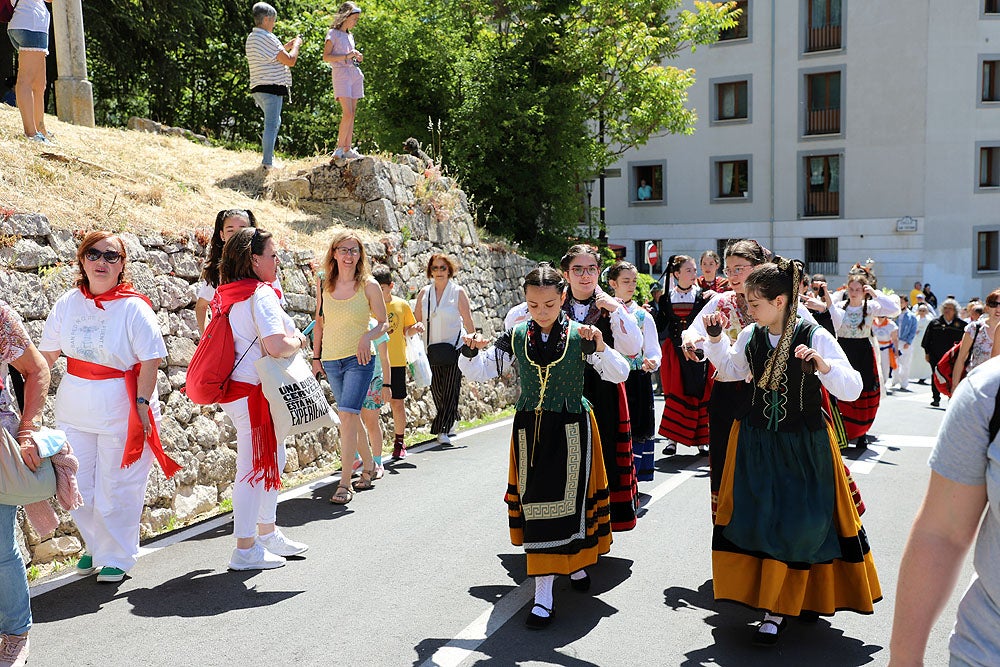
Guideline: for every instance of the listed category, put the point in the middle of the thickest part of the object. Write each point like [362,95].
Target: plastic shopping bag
[416,359]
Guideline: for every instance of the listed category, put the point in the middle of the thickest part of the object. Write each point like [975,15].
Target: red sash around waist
[265,443]
[136,439]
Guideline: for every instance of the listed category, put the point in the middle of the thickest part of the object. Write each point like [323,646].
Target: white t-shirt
[271,320]
[30,15]
[121,335]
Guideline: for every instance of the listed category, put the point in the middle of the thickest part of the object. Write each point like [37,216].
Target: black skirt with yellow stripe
[787,535]
[557,494]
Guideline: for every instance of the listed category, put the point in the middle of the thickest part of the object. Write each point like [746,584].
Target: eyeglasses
[992,304]
[348,251]
[591,270]
[737,270]
[110,256]
[439,268]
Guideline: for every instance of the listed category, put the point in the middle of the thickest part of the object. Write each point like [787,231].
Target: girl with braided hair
[804,552]
[861,304]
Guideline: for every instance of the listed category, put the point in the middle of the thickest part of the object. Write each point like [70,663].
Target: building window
[646,183]
[988,251]
[741,30]
[989,167]
[824,25]
[822,191]
[991,7]
[991,81]
[730,178]
[823,103]
[821,256]
[731,100]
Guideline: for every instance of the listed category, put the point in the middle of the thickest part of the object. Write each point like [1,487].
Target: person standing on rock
[15,601]
[348,81]
[107,402]
[270,74]
[28,31]
[248,267]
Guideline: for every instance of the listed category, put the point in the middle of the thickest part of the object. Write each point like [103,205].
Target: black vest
[799,402]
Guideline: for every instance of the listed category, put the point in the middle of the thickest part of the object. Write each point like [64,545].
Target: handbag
[440,354]
[18,484]
[297,401]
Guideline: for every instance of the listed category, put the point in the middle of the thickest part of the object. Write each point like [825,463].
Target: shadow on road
[203,593]
[732,636]
[576,616]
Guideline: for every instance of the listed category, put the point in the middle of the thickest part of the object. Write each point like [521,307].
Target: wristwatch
[141,401]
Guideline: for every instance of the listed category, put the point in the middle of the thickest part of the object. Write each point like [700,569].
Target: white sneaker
[254,558]
[41,139]
[444,439]
[14,650]
[339,153]
[352,154]
[279,545]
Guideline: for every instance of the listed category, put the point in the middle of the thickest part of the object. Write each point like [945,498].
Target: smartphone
[309,329]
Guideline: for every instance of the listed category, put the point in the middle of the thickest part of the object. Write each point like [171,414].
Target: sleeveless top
[563,377]
[798,404]
[346,321]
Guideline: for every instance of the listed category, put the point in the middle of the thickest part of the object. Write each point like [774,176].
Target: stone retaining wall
[414,213]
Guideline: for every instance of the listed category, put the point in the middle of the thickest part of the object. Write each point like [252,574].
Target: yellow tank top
[344,322]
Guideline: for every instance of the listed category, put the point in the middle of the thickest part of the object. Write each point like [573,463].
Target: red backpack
[945,367]
[212,364]
[7,10]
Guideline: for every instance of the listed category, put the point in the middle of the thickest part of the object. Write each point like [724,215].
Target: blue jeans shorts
[29,40]
[349,381]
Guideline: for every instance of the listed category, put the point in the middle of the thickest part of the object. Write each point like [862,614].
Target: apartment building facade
[834,131]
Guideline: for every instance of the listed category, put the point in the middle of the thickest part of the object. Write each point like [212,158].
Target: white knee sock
[771,629]
[543,594]
[578,575]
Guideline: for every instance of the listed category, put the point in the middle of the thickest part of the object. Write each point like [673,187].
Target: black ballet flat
[582,585]
[536,622]
[767,638]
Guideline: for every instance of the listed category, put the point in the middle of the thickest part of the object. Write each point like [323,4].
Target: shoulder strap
[995,419]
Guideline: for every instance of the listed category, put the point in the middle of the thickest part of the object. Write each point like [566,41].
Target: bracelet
[317,359]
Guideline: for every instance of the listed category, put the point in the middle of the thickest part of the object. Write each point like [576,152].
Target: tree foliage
[516,92]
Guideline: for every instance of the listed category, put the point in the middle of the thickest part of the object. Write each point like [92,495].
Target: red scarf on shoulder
[262,436]
[119,291]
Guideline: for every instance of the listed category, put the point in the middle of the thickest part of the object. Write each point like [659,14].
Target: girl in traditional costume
[623,278]
[557,493]
[586,303]
[803,552]
[861,304]
[686,383]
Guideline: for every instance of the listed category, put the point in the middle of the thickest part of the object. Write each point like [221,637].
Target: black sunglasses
[110,256]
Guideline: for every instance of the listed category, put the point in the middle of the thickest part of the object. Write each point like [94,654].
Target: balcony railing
[822,204]
[823,121]
[824,39]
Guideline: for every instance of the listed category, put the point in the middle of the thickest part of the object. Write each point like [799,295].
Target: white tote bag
[298,403]
[416,358]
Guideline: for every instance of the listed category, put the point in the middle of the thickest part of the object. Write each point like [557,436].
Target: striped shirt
[262,50]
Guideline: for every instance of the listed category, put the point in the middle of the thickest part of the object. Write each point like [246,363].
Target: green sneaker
[110,575]
[85,565]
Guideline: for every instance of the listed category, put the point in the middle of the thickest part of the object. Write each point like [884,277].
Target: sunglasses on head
[110,256]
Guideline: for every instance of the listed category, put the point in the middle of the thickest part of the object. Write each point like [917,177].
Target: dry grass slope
[109,178]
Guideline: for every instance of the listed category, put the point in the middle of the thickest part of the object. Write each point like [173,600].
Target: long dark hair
[545,275]
[771,280]
[749,250]
[210,269]
[617,268]
[577,250]
[859,274]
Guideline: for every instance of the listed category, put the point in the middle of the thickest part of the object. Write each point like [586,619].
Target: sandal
[365,482]
[342,496]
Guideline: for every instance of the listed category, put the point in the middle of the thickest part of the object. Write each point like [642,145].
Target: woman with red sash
[260,326]
[106,402]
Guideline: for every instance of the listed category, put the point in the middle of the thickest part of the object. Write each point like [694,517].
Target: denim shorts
[29,40]
[349,381]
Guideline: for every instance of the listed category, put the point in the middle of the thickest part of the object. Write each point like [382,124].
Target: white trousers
[251,503]
[884,365]
[113,497]
[903,360]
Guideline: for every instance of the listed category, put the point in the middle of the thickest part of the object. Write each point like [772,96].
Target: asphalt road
[419,571]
